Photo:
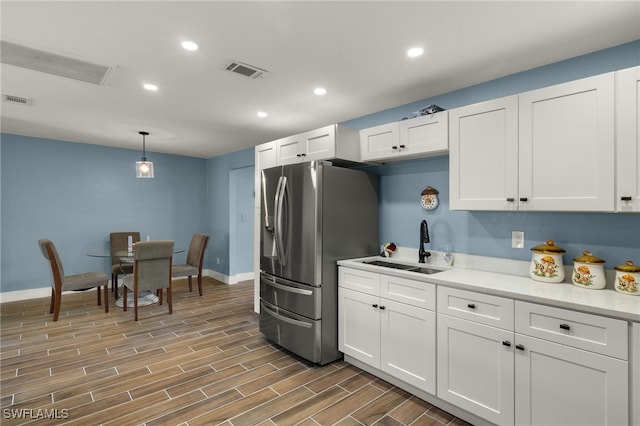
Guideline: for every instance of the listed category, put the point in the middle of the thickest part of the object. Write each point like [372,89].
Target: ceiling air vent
[18,100]
[245,69]
[51,63]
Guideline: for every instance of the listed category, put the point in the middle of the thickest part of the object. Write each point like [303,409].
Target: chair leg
[114,283]
[124,298]
[99,295]
[200,284]
[169,301]
[106,298]
[135,303]
[190,284]
[56,308]
[159,294]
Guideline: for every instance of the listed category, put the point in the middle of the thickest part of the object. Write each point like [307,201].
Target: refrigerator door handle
[285,319]
[286,288]
[279,226]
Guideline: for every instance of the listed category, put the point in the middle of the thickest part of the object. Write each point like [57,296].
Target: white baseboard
[36,293]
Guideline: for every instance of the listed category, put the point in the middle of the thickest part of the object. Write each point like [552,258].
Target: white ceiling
[356,50]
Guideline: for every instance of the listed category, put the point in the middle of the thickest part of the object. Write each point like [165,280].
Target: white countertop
[606,302]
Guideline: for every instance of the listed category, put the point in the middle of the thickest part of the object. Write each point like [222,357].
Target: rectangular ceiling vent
[245,70]
[52,63]
[17,100]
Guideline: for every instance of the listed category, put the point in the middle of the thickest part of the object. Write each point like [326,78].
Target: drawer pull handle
[375,305]
[510,200]
[382,308]
[402,147]
[520,347]
[394,147]
[471,305]
[625,198]
[524,199]
[507,343]
[565,326]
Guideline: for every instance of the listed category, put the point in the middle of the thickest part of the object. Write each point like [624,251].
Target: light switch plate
[517,239]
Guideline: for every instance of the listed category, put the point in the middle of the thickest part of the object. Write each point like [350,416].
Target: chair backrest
[152,265]
[196,249]
[119,241]
[50,253]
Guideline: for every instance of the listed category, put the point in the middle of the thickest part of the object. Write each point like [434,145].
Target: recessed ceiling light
[262,114]
[414,52]
[320,91]
[189,45]
[151,87]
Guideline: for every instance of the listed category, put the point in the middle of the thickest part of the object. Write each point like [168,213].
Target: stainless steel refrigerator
[313,214]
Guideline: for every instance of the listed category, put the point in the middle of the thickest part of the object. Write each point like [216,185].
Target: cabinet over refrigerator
[312,215]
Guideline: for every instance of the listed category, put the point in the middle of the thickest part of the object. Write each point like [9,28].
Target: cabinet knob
[394,147]
[510,200]
[471,305]
[375,305]
[626,198]
[520,347]
[565,326]
[303,155]
[507,343]
[524,199]
[402,147]
[382,308]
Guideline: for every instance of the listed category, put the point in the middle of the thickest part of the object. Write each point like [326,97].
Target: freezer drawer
[295,333]
[295,297]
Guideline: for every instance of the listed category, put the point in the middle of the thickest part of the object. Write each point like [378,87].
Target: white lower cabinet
[560,385]
[394,337]
[505,361]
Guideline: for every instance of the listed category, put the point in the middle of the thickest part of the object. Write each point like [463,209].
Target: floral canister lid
[587,257]
[548,248]
[628,266]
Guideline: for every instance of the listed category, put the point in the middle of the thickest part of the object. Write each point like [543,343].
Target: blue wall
[613,237]
[75,194]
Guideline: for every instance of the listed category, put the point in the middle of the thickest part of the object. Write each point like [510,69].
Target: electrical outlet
[517,239]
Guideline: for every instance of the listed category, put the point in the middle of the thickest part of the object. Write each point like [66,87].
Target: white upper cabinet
[483,155]
[550,149]
[417,137]
[566,146]
[628,140]
[326,143]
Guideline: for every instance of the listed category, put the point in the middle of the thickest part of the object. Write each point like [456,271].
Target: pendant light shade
[144,168]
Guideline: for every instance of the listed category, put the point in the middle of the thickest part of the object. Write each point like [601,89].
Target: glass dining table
[128,256]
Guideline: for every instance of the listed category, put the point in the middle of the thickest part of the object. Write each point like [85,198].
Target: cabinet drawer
[482,308]
[358,280]
[415,293]
[594,333]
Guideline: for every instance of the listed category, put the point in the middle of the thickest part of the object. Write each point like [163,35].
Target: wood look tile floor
[206,364]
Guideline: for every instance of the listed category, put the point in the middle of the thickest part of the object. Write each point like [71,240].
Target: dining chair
[151,272]
[118,242]
[61,282]
[195,259]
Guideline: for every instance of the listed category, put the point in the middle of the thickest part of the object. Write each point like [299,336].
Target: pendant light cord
[144,134]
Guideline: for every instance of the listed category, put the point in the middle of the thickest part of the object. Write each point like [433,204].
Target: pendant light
[144,168]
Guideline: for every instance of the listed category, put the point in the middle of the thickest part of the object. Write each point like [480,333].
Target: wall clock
[429,198]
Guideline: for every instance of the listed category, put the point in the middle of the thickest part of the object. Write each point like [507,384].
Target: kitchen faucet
[424,238]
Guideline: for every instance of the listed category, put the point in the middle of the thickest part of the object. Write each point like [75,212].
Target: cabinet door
[475,368]
[290,150]
[628,140]
[560,385]
[428,134]
[566,146]
[359,326]
[320,143]
[483,155]
[380,142]
[408,337]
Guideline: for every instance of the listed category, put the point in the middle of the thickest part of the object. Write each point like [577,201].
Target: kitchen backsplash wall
[612,236]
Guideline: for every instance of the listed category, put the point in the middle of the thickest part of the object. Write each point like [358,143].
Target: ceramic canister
[546,263]
[627,279]
[588,272]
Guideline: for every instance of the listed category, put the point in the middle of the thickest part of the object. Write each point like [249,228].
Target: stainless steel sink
[410,268]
